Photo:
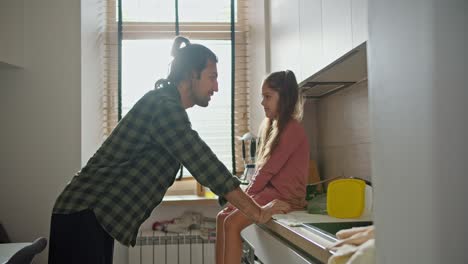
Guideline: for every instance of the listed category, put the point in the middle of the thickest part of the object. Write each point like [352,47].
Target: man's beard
[198,99]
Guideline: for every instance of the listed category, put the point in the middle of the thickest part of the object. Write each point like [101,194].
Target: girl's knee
[230,225]
[221,216]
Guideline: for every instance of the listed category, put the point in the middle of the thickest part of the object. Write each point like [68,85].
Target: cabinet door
[284,40]
[310,27]
[269,249]
[359,21]
[337,32]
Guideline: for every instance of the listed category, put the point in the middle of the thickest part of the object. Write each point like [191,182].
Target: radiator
[156,247]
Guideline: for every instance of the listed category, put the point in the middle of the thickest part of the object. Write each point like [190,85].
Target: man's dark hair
[192,58]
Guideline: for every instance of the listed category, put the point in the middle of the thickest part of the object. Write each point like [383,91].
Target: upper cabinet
[337,32]
[284,36]
[313,33]
[359,21]
[312,52]
[11,33]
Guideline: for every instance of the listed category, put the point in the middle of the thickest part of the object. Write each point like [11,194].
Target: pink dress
[284,175]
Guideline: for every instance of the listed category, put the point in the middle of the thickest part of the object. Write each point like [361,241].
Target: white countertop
[289,227]
[297,218]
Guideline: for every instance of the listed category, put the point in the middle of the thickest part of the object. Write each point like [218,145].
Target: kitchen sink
[329,229]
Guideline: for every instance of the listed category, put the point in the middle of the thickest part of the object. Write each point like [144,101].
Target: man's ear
[186,85]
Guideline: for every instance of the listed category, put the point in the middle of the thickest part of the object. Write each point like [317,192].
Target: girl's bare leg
[233,225]
[219,244]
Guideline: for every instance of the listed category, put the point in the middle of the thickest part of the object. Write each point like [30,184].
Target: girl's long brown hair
[289,107]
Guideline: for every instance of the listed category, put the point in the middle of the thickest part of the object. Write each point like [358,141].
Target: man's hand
[250,208]
[271,208]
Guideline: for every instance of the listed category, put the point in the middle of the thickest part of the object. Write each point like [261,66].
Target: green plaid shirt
[130,173]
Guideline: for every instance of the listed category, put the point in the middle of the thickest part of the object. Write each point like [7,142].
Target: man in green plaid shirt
[129,174]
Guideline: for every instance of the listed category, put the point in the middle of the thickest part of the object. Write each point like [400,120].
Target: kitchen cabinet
[314,33]
[11,33]
[311,46]
[284,36]
[337,33]
[359,21]
[270,249]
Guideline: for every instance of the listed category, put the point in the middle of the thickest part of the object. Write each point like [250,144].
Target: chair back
[27,253]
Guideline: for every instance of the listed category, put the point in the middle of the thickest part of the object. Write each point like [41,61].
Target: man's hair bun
[177,45]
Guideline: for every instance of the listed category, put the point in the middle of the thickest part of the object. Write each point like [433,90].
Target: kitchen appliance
[249,149]
[347,70]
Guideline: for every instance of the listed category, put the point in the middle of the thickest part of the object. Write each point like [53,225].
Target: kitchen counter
[310,244]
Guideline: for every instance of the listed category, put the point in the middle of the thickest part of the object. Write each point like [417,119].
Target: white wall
[92,76]
[417,80]
[40,118]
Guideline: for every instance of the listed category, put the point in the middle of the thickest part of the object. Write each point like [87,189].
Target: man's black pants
[78,238]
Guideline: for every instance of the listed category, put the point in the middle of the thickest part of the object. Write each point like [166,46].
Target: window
[148,30]
[144,61]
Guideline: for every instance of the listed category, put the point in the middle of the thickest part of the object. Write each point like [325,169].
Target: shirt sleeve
[172,129]
[289,141]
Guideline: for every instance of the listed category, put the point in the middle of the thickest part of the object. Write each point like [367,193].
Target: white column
[418,98]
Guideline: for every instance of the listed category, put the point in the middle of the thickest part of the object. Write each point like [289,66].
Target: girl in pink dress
[282,166]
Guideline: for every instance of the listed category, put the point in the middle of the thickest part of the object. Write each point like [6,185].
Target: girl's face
[270,101]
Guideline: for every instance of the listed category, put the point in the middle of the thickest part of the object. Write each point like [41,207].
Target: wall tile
[309,121]
[356,114]
[356,160]
[330,120]
[331,162]
[343,139]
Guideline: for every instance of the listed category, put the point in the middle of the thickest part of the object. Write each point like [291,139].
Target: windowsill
[189,200]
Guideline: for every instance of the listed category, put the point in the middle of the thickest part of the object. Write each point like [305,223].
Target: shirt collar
[172,91]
